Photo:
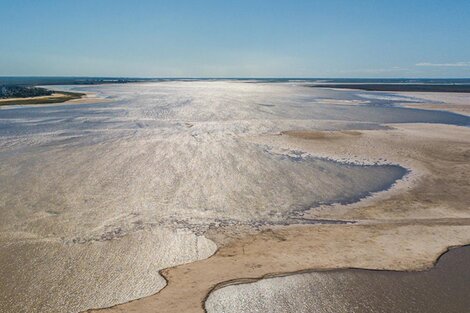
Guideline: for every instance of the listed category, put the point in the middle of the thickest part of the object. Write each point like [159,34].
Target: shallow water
[444,288]
[112,192]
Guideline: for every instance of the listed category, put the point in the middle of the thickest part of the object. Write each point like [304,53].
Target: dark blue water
[70,80]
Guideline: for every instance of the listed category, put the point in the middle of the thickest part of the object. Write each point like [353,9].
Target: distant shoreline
[56,97]
[399,87]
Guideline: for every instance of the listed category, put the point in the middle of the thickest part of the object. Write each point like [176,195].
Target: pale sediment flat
[297,248]
[406,228]
[41,274]
[453,102]
[163,173]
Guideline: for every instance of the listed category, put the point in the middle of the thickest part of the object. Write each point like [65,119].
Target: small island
[16,95]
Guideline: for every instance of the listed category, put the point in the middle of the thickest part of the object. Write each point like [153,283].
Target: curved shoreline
[248,280]
[181,294]
[406,228]
[440,267]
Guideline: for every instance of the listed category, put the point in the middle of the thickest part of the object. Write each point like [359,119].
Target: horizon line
[221,77]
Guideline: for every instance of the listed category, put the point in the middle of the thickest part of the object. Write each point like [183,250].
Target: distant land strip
[56,97]
[399,87]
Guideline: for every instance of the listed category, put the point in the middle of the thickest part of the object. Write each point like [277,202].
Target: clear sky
[224,38]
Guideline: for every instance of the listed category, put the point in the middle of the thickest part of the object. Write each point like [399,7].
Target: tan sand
[450,101]
[406,228]
[88,98]
[327,135]
[293,249]
[443,288]
[437,187]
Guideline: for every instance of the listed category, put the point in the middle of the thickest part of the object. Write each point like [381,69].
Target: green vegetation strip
[58,98]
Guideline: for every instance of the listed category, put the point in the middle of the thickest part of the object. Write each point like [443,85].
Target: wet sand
[406,228]
[444,288]
[293,249]
[263,172]
[453,102]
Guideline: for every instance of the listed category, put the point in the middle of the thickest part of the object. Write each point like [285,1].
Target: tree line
[7,91]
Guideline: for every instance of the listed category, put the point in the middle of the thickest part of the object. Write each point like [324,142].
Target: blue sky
[250,38]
